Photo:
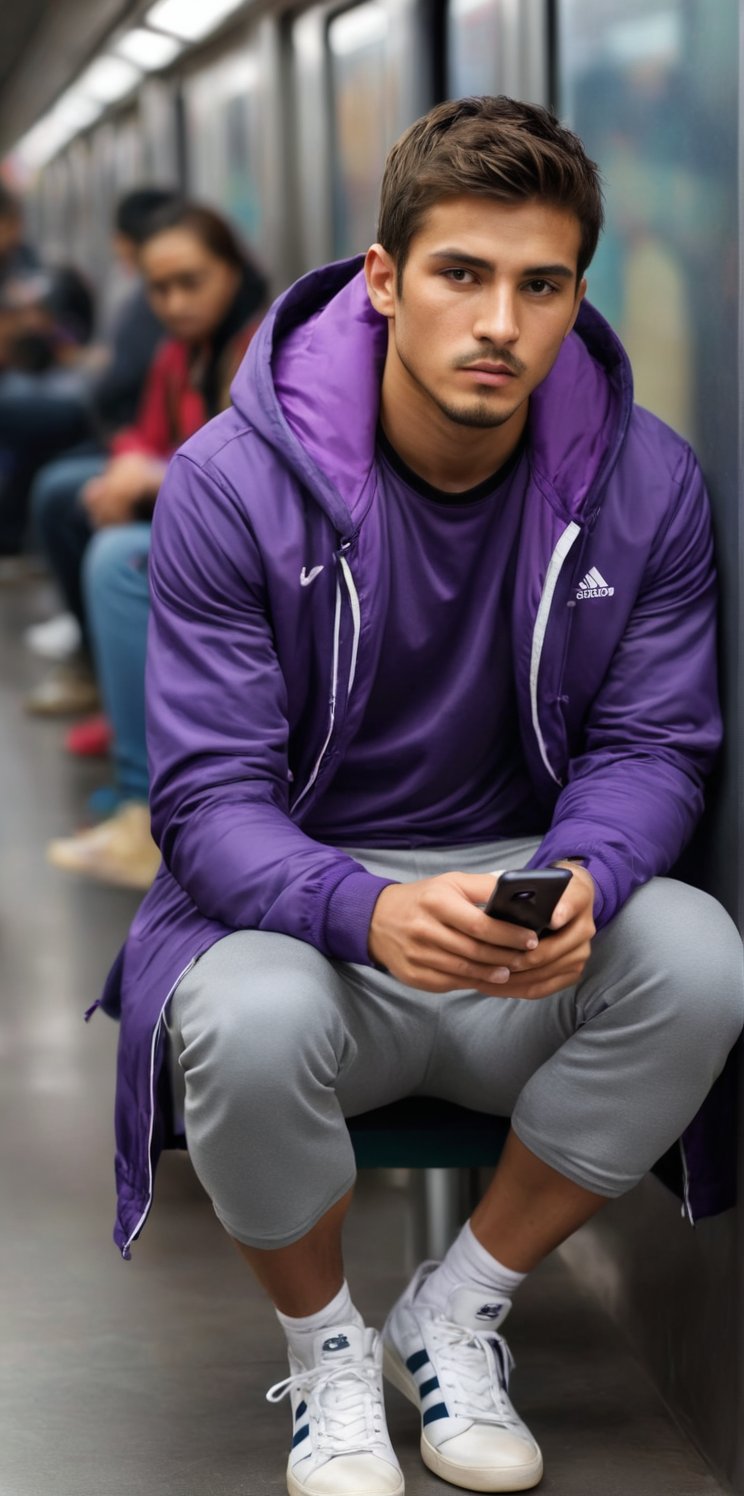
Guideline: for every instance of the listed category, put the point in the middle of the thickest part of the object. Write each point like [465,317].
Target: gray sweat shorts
[272,1045]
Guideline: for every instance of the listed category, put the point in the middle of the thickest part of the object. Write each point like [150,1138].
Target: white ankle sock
[468,1265]
[301,1332]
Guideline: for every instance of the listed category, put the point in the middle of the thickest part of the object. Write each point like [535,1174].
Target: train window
[651,87]
[497,46]
[364,87]
[224,150]
[474,44]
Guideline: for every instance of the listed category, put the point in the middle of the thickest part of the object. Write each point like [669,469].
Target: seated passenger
[112,390]
[433,599]
[16,256]
[116,387]
[208,296]
[48,319]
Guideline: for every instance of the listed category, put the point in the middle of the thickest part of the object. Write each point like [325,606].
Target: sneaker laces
[345,1402]
[477,1367]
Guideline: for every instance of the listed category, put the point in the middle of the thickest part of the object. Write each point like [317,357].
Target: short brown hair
[494,147]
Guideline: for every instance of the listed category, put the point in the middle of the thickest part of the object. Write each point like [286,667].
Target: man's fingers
[535,985]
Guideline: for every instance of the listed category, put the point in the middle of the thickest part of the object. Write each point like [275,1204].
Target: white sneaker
[57,639]
[455,1368]
[341,1445]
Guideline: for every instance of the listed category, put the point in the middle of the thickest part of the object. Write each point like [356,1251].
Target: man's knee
[258,1014]
[683,941]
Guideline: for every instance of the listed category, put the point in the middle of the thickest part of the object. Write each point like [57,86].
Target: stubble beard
[480,416]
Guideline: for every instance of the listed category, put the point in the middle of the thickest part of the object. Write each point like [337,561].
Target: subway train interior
[126,1377]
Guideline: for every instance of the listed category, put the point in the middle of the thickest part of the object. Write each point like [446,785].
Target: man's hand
[432,935]
[111,498]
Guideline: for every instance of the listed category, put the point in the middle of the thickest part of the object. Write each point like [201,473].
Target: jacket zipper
[357,621]
[356,616]
[125,1251]
[687,1204]
[555,566]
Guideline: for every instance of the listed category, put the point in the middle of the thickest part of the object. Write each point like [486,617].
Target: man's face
[489,293]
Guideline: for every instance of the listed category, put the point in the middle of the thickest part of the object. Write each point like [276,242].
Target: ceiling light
[148,49]
[108,79]
[51,134]
[191,19]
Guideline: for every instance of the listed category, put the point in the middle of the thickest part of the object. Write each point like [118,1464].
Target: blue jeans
[117,606]
[61,524]
[40,416]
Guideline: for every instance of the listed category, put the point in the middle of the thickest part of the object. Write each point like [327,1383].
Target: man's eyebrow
[463,258]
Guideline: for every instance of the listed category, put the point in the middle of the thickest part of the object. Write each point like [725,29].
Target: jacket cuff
[348,915]
[605,892]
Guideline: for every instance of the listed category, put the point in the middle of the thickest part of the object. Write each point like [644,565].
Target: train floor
[149,1377]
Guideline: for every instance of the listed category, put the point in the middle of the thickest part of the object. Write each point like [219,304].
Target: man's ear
[580,294]
[379,273]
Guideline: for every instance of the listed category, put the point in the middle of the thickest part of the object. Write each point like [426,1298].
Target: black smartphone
[527,897]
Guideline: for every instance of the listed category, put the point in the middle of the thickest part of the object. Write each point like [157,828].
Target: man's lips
[490,369]
[495,374]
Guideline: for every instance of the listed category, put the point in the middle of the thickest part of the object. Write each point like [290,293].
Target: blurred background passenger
[135,330]
[16,256]
[109,388]
[47,319]
[209,296]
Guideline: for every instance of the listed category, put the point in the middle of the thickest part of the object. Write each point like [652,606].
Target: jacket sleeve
[634,790]
[218,734]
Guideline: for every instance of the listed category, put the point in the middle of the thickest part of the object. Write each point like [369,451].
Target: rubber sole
[468,1477]
[296,1488]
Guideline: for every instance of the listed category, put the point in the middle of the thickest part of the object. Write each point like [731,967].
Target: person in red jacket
[208,295]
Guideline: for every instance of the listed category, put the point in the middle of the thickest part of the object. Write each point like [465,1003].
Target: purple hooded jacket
[257,683]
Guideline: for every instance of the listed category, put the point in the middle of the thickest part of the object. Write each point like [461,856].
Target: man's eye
[541,287]
[459,275]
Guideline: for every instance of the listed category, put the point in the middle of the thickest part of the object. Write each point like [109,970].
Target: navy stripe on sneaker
[417,1360]
[427,1387]
[438,1411]
[302,1433]
[301,1409]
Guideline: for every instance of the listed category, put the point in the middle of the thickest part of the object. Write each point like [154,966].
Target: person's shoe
[455,1368]
[19,567]
[120,850]
[68,690]
[57,639]
[340,1444]
[91,738]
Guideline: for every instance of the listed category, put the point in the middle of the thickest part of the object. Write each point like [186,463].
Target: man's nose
[497,319]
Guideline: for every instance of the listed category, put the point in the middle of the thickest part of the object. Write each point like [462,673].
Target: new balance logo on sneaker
[490,1311]
[594,585]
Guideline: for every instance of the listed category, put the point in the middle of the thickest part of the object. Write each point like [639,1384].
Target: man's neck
[448,456]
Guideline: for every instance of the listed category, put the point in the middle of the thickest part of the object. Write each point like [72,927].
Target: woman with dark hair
[208,296]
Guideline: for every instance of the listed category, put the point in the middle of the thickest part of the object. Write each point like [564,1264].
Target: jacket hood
[310,385]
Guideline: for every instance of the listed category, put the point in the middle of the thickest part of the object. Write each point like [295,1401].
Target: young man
[432,600]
